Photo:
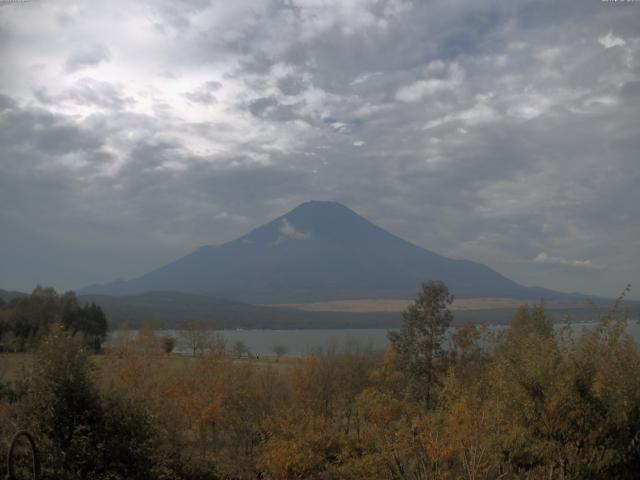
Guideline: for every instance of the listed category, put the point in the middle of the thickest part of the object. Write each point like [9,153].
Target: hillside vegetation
[26,319]
[530,403]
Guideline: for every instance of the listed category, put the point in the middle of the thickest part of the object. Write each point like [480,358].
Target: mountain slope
[8,295]
[318,251]
[171,309]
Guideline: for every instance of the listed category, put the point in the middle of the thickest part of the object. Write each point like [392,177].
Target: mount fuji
[319,251]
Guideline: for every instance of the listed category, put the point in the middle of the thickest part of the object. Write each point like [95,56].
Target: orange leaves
[199,402]
[198,389]
[378,408]
[303,382]
[531,406]
[183,394]
[597,385]
[302,445]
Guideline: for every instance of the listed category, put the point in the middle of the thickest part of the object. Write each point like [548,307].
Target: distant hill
[168,310]
[319,251]
[8,295]
[171,309]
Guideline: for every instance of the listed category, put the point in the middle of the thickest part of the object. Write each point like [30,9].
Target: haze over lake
[301,342]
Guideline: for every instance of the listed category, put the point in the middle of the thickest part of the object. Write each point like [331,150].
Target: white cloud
[351,17]
[530,106]
[610,40]
[545,259]
[480,113]
[423,88]
[289,231]
[339,126]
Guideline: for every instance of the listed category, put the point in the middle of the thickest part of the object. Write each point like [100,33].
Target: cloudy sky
[504,132]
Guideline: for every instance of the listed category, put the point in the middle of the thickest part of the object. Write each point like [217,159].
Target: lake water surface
[301,342]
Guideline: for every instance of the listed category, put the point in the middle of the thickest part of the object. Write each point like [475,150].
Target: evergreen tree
[420,341]
[30,318]
[80,434]
[62,406]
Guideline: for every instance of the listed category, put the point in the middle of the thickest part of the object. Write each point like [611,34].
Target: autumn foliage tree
[533,401]
[167,343]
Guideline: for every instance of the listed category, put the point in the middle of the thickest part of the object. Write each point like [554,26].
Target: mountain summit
[318,251]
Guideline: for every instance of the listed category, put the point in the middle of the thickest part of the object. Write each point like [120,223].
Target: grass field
[16,366]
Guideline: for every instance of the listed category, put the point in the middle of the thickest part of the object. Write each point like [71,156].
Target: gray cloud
[43,131]
[88,92]
[204,94]
[480,130]
[290,85]
[630,90]
[86,56]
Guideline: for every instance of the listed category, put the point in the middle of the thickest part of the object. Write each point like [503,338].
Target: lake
[301,342]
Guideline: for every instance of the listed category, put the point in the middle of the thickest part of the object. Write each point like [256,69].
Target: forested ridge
[531,402]
[26,319]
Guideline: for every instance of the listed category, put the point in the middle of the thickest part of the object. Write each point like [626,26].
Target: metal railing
[11,456]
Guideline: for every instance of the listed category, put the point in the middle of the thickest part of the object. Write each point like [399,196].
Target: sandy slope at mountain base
[398,305]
